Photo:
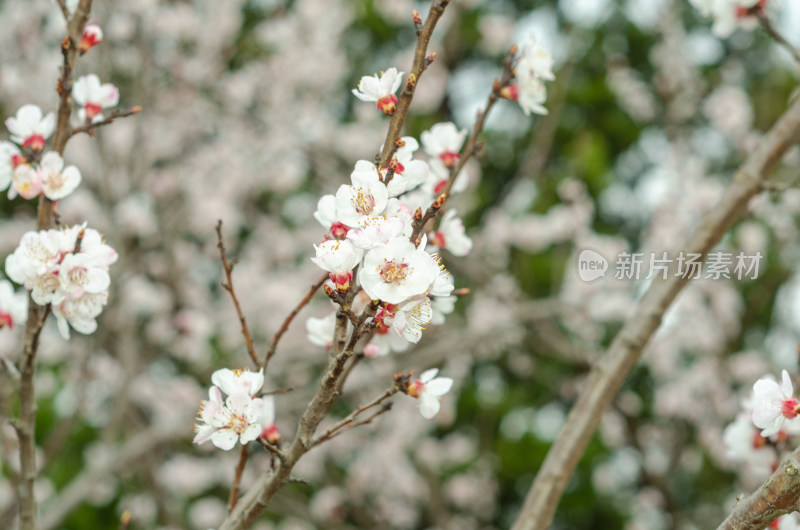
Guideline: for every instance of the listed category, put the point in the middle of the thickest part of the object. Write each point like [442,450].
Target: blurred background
[248,118]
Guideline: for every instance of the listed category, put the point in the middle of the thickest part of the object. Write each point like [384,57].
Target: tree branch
[237,478]
[777,496]
[418,67]
[350,420]
[611,370]
[89,128]
[228,286]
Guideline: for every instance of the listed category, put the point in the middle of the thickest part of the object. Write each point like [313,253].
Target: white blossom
[57,181]
[29,128]
[366,197]
[226,423]
[339,258]
[429,389]
[396,271]
[93,97]
[773,404]
[380,90]
[450,235]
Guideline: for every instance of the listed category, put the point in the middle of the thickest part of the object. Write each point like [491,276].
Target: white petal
[428,375]
[428,406]
[439,386]
[225,439]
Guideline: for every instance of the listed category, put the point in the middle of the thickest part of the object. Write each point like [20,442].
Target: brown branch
[777,496]
[89,128]
[419,65]
[350,420]
[766,23]
[611,370]
[237,478]
[275,338]
[228,286]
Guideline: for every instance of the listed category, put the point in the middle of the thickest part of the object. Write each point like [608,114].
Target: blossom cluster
[242,417]
[65,268]
[68,269]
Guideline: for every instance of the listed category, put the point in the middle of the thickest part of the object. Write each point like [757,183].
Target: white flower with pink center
[530,93]
[238,381]
[10,158]
[380,90]
[429,389]
[443,142]
[744,442]
[411,319]
[27,182]
[57,181]
[13,306]
[366,197]
[773,404]
[326,216]
[93,97]
[451,236]
[235,420]
[92,36]
[396,271]
[339,258]
[30,129]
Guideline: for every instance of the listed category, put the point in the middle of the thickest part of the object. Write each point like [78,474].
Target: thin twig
[611,370]
[237,478]
[766,23]
[350,419]
[228,286]
[419,65]
[90,127]
[275,338]
[278,391]
[467,151]
[63,6]
[272,449]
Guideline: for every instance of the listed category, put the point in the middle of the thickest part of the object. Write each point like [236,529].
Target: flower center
[238,423]
[758,441]
[363,202]
[34,142]
[393,272]
[449,158]
[92,110]
[388,104]
[415,388]
[339,230]
[439,188]
[790,408]
[5,320]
